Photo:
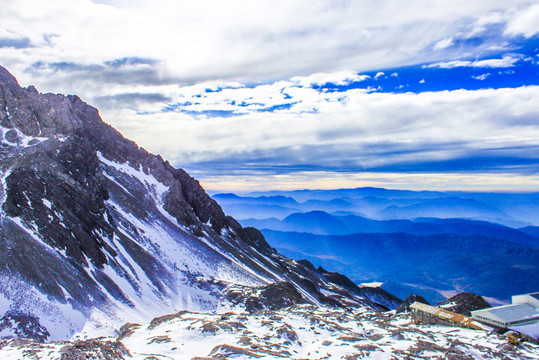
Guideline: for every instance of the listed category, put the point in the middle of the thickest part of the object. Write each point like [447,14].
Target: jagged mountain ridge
[94,227]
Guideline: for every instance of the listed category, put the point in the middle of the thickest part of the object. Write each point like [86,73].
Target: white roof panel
[509,313]
[532,330]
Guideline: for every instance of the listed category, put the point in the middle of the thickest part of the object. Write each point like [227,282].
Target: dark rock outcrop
[269,297]
[24,326]
[384,300]
[464,303]
[94,349]
[405,305]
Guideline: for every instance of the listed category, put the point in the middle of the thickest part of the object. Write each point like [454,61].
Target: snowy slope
[298,332]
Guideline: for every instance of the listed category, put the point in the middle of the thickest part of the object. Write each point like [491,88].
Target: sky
[253,95]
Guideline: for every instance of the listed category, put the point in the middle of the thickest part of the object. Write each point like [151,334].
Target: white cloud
[505,61]
[481,77]
[331,180]
[337,78]
[350,129]
[202,99]
[243,41]
[256,55]
[9,38]
[525,22]
[488,19]
[444,43]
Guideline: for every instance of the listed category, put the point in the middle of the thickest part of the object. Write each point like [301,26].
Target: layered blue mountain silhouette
[430,243]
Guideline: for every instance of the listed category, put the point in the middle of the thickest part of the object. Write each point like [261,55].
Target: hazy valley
[431,243]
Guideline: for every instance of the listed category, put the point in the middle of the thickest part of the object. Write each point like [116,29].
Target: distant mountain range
[322,223]
[430,243]
[510,209]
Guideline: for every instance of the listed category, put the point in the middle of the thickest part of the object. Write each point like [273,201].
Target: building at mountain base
[524,309]
[521,316]
[432,315]
[527,332]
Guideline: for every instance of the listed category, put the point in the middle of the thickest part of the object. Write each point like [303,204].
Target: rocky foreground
[297,332]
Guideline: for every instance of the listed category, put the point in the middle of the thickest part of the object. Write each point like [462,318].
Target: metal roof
[448,315]
[531,330]
[509,313]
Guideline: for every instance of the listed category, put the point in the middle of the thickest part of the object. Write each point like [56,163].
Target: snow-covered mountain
[95,231]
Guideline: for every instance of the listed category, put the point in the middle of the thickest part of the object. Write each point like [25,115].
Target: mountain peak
[102,228]
[7,79]
[42,115]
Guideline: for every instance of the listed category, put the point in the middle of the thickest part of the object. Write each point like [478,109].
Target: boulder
[464,303]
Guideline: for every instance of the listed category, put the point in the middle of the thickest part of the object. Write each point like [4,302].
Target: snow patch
[24,140]
[61,320]
[5,303]
[448,305]
[47,203]
[157,189]
[9,116]
[33,233]
[3,186]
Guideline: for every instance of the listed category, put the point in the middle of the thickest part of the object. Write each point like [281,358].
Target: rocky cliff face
[93,228]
